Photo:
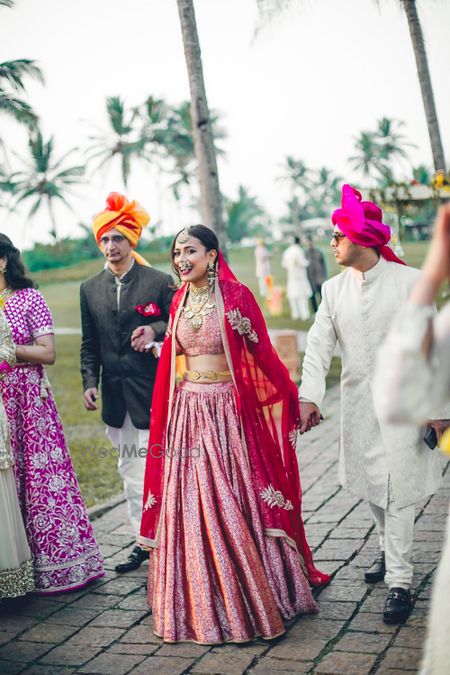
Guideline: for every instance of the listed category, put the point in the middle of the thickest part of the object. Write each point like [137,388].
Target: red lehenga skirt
[215,576]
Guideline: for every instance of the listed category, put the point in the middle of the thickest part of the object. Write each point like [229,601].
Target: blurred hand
[437,263]
[440,426]
[142,336]
[309,416]
[89,398]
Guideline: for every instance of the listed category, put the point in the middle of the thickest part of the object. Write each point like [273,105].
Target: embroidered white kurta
[356,311]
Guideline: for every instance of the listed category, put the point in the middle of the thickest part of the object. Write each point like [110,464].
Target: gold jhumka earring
[211,273]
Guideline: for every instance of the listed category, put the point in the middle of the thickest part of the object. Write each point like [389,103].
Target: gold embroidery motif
[242,324]
[293,437]
[151,501]
[274,498]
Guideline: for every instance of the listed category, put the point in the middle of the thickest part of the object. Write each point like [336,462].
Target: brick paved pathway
[108,630]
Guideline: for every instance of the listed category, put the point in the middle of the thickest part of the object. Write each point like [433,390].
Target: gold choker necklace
[200,302]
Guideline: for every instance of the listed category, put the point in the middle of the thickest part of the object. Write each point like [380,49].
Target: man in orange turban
[124,311]
[128,218]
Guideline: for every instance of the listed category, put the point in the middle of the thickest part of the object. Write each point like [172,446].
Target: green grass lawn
[85,431]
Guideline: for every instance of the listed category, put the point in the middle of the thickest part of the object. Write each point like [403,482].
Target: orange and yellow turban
[128,218]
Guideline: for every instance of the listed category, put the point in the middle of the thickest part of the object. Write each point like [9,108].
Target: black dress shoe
[398,606]
[377,571]
[135,560]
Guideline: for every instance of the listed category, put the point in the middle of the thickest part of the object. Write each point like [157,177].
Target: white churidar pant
[132,445]
[396,530]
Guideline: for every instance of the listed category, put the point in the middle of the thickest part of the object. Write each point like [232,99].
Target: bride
[222,496]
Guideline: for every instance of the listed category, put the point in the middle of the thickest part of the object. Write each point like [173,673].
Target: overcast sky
[310,82]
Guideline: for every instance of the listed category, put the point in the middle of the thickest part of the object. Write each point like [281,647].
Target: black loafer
[398,606]
[377,571]
[135,560]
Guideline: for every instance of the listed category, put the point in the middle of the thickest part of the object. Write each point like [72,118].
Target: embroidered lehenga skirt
[215,576]
[65,553]
[16,567]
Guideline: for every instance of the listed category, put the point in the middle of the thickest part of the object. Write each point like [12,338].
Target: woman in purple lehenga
[65,553]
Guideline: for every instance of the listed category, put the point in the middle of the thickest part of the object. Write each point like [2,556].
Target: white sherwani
[357,310]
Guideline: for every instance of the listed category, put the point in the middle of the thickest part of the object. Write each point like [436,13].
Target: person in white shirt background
[298,289]
[262,269]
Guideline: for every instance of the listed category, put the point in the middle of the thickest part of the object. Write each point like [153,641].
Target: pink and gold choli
[216,575]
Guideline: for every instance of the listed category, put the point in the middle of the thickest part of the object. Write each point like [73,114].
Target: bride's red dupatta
[269,409]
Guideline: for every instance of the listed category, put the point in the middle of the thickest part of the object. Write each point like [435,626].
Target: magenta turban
[361,223]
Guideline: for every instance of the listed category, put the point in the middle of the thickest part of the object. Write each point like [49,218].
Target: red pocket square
[148,310]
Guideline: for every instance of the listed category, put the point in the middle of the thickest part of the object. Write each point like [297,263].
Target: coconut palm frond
[13,72]
[19,110]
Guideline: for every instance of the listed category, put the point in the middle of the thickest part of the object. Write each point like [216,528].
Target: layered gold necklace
[200,302]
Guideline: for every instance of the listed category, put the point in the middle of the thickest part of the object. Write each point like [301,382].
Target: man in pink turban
[389,467]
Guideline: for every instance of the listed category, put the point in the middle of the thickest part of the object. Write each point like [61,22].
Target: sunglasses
[336,237]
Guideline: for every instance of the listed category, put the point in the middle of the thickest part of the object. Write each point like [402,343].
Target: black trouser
[316,296]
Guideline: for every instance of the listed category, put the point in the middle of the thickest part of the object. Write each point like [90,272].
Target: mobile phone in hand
[430,438]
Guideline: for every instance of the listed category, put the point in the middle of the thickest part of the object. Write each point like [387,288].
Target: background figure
[390,468]
[60,536]
[298,287]
[16,566]
[412,379]
[124,309]
[317,271]
[262,270]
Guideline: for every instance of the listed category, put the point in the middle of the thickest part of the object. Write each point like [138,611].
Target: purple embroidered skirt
[65,553]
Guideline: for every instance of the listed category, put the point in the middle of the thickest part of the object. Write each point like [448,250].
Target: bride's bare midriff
[206,362]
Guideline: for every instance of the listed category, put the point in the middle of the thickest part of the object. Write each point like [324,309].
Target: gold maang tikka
[183,236]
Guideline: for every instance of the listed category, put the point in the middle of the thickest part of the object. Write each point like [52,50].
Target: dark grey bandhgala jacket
[127,376]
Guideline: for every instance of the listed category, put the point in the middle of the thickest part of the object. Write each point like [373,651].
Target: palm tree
[378,151]
[6,185]
[367,157]
[268,8]
[297,174]
[210,195]
[422,175]
[426,87]
[45,180]
[244,215]
[11,82]
[169,140]
[392,143]
[12,74]
[325,193]
[123,141]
